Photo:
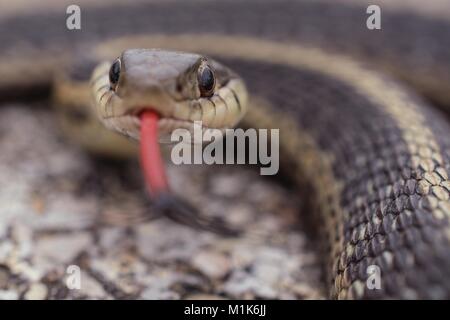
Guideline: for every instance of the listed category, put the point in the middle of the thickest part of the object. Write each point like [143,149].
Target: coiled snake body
[371,158]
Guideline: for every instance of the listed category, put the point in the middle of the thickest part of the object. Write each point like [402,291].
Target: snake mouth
[168,124]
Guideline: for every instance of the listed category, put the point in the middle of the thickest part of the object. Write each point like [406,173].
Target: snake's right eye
[114,74]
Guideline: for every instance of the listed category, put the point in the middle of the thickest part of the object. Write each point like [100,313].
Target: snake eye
[206,81]
[114,73]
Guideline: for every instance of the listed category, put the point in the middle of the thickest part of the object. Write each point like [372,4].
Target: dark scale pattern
[439,127]
[388,223]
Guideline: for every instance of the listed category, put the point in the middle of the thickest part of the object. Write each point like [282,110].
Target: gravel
[60,207]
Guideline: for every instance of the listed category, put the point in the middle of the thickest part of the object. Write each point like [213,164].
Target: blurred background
[61,207]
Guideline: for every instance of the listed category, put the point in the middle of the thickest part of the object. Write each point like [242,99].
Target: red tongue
[158,188]
[151,160]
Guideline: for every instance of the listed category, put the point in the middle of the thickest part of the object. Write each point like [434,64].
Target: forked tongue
[155,178]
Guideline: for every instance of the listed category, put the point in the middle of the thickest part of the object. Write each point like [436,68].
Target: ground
[60,207]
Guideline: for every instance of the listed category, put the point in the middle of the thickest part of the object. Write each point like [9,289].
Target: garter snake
[369,155]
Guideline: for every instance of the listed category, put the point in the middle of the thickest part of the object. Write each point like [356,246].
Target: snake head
[180,87]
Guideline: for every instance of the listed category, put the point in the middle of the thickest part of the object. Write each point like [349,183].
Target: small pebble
[213,265]
[37,291]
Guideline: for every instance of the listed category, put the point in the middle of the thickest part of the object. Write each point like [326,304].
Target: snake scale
[369,154]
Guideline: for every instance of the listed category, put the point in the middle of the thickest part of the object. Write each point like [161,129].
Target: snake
[362,114]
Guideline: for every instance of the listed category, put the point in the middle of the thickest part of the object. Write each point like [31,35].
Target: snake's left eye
[206,81]
[114,74]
